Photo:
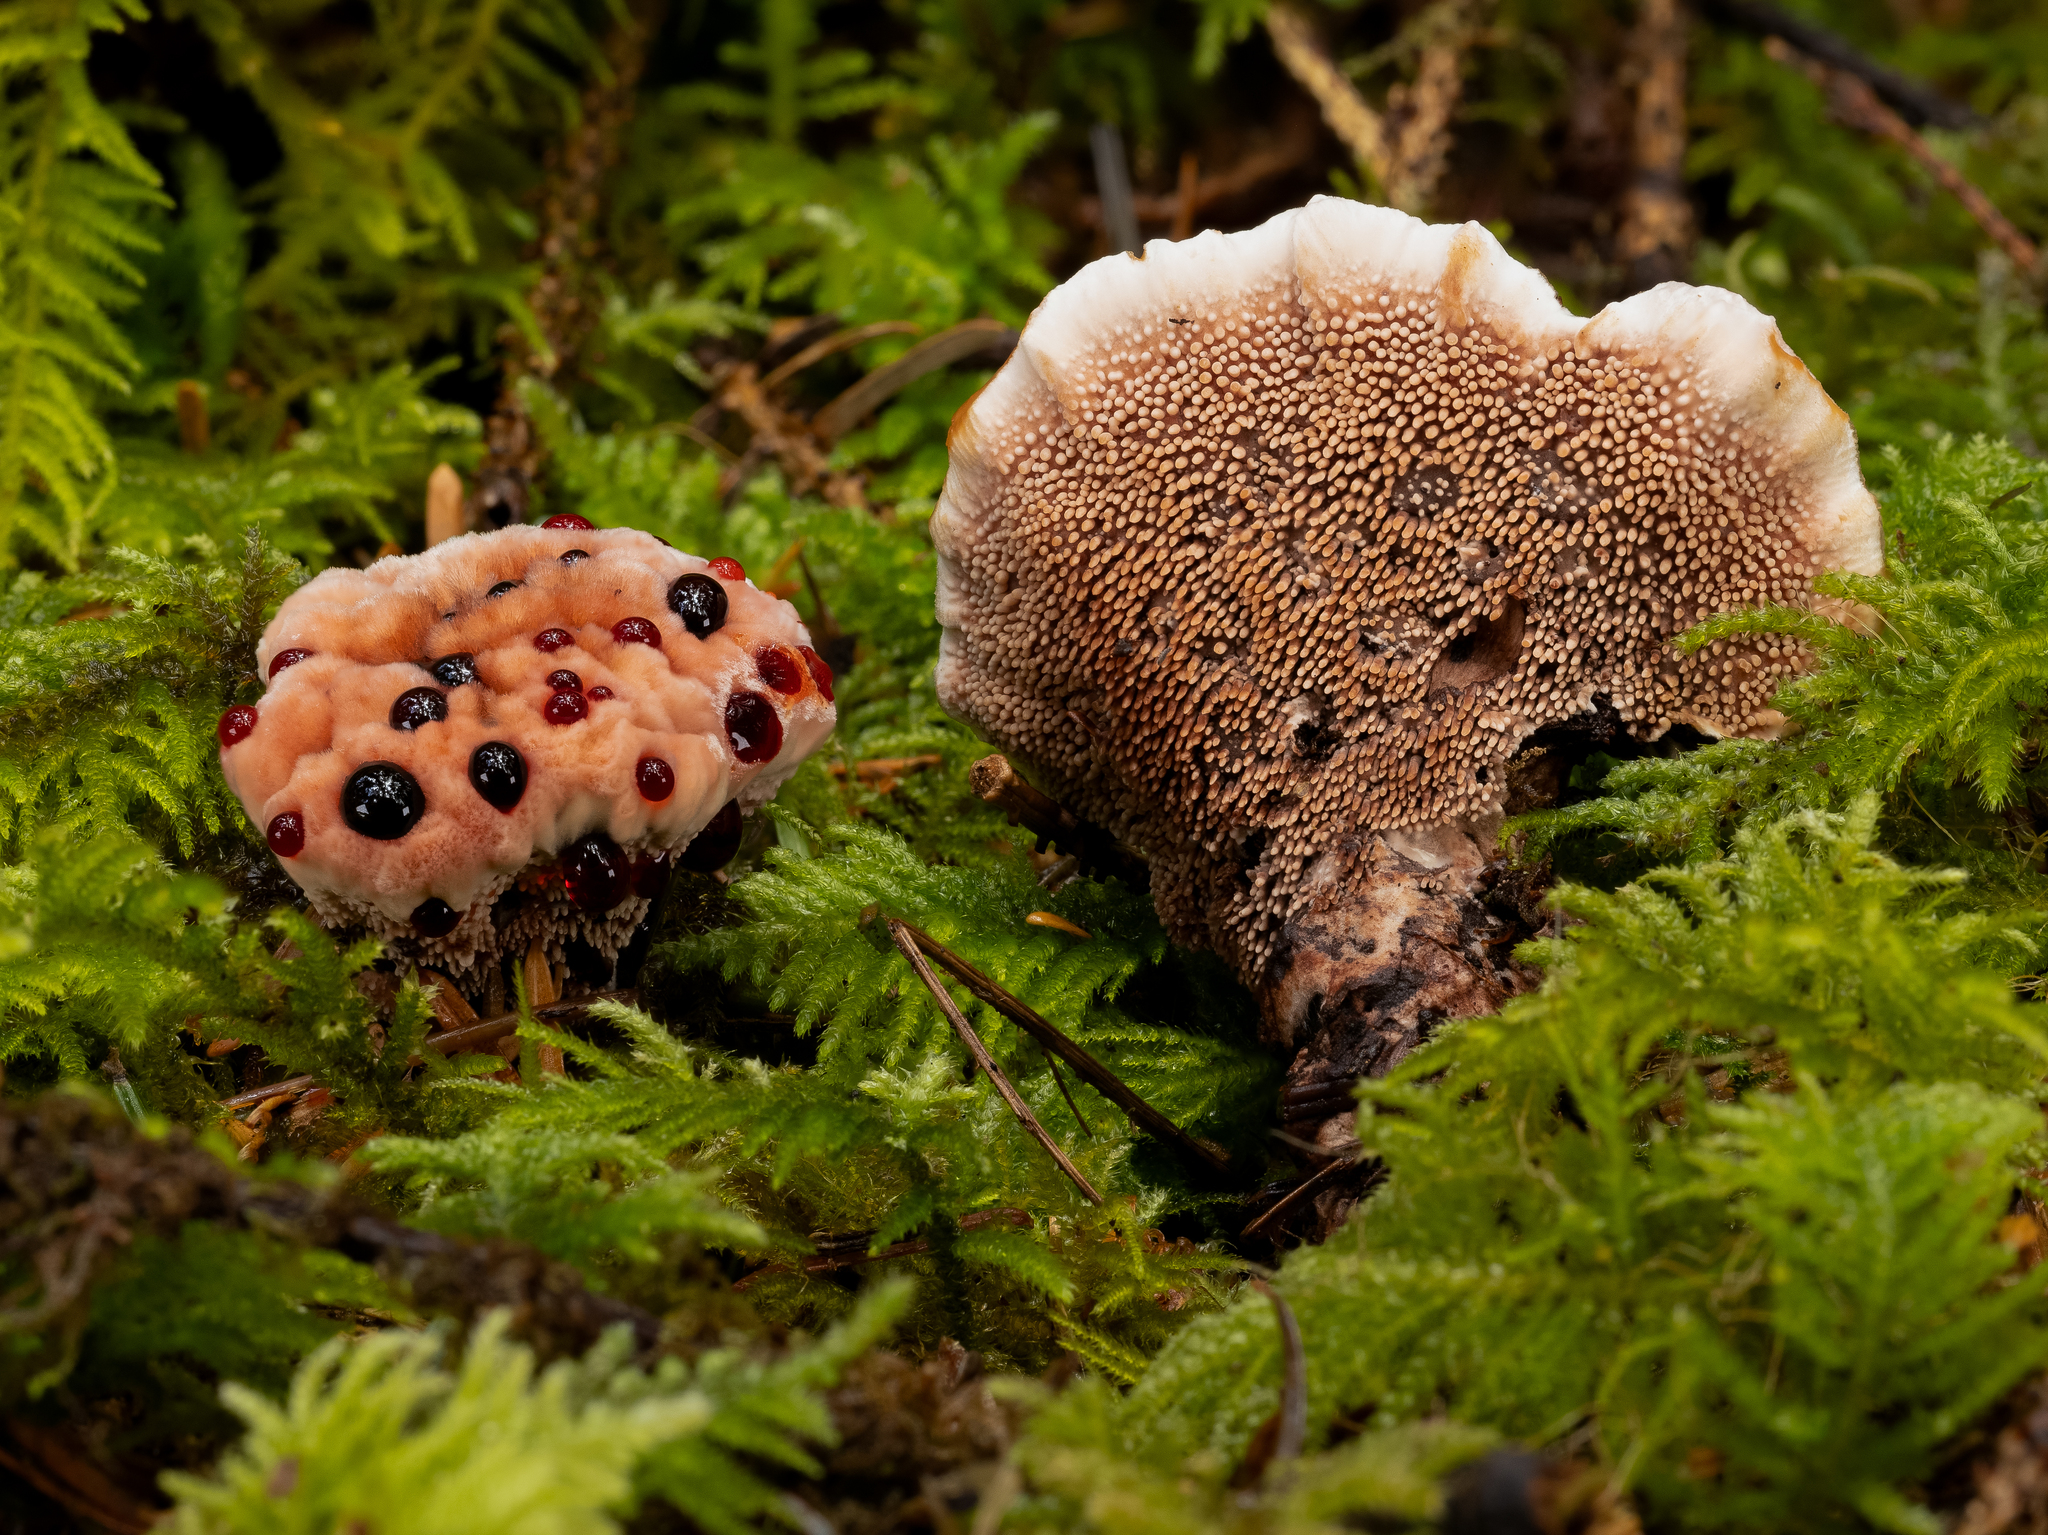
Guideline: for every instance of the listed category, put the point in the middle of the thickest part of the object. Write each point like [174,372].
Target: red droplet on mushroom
[435,918]
[286,658]
[565,682]
[599,694]
[637,631]
[565,708]
[568,520]
[650,876]
[595,873]
[712,848]
[286,834]
[779,669]
[551,640]
[656,779]
[727,569]
[820,672]
[235,725]
[754,728]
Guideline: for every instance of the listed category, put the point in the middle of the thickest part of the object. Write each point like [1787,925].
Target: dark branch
[1916,101]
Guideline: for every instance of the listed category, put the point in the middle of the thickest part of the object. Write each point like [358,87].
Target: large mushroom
[1271,551]
[503,741]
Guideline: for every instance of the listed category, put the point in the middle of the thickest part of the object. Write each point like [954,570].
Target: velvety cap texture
[517,711]
[1262,541]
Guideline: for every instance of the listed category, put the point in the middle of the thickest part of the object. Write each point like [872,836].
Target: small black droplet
[418,706]
[454,671]
[382,800]
[571,556]
[503,587]
[498,773]
[699,601]
[435,918]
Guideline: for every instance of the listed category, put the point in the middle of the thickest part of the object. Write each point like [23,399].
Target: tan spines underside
[1297,567]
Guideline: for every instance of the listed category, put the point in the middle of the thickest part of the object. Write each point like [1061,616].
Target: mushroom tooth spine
[478,826]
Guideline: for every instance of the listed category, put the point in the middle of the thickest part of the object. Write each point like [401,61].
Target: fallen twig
[1310,1186]
[844,340]
[1301,51]
[956,344]
[1282,1436]
[1200,1156]
[1915,100]
[996,783]
[1856,105]
[1655,239]
[902,933]
[473,1038]
[851,1251]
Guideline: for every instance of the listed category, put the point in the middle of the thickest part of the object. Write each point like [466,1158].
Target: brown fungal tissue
[1271,551]
[512,737]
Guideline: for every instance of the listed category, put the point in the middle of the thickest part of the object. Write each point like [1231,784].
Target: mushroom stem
[1390,940]
[901,933]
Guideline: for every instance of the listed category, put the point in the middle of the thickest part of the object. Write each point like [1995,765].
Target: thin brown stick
[1053,1062]
[1655,241]
[1857,106]
[1199,1155]
[857,1253]
[861,399]
[1254,170]
[475,1038]
[901,933]
[1303,54]
[1313,1184]
[996,783]
[1294,1383]
[1417,127]
[845,340]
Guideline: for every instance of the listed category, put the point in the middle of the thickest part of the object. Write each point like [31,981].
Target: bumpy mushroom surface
[1271,550]
[504,739]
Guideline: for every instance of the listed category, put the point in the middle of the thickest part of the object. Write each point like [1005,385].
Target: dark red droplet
[779,669]
[712,848]
[727,569]
[568,520]
[575,556]
[286,658]
[286,834]
[418,706]
[650,876]
[551,640]
[599,694]
[565,682]
[820,672]
[657,780]
[235,725]
[498,773]
[595,873]
[503,587]
[637,631]
[754,728]
[435,918]
[565,708]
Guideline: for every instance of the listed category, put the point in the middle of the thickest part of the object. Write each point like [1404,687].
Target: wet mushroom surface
[503,741]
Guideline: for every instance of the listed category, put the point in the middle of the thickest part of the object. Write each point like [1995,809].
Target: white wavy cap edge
[1336,246]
